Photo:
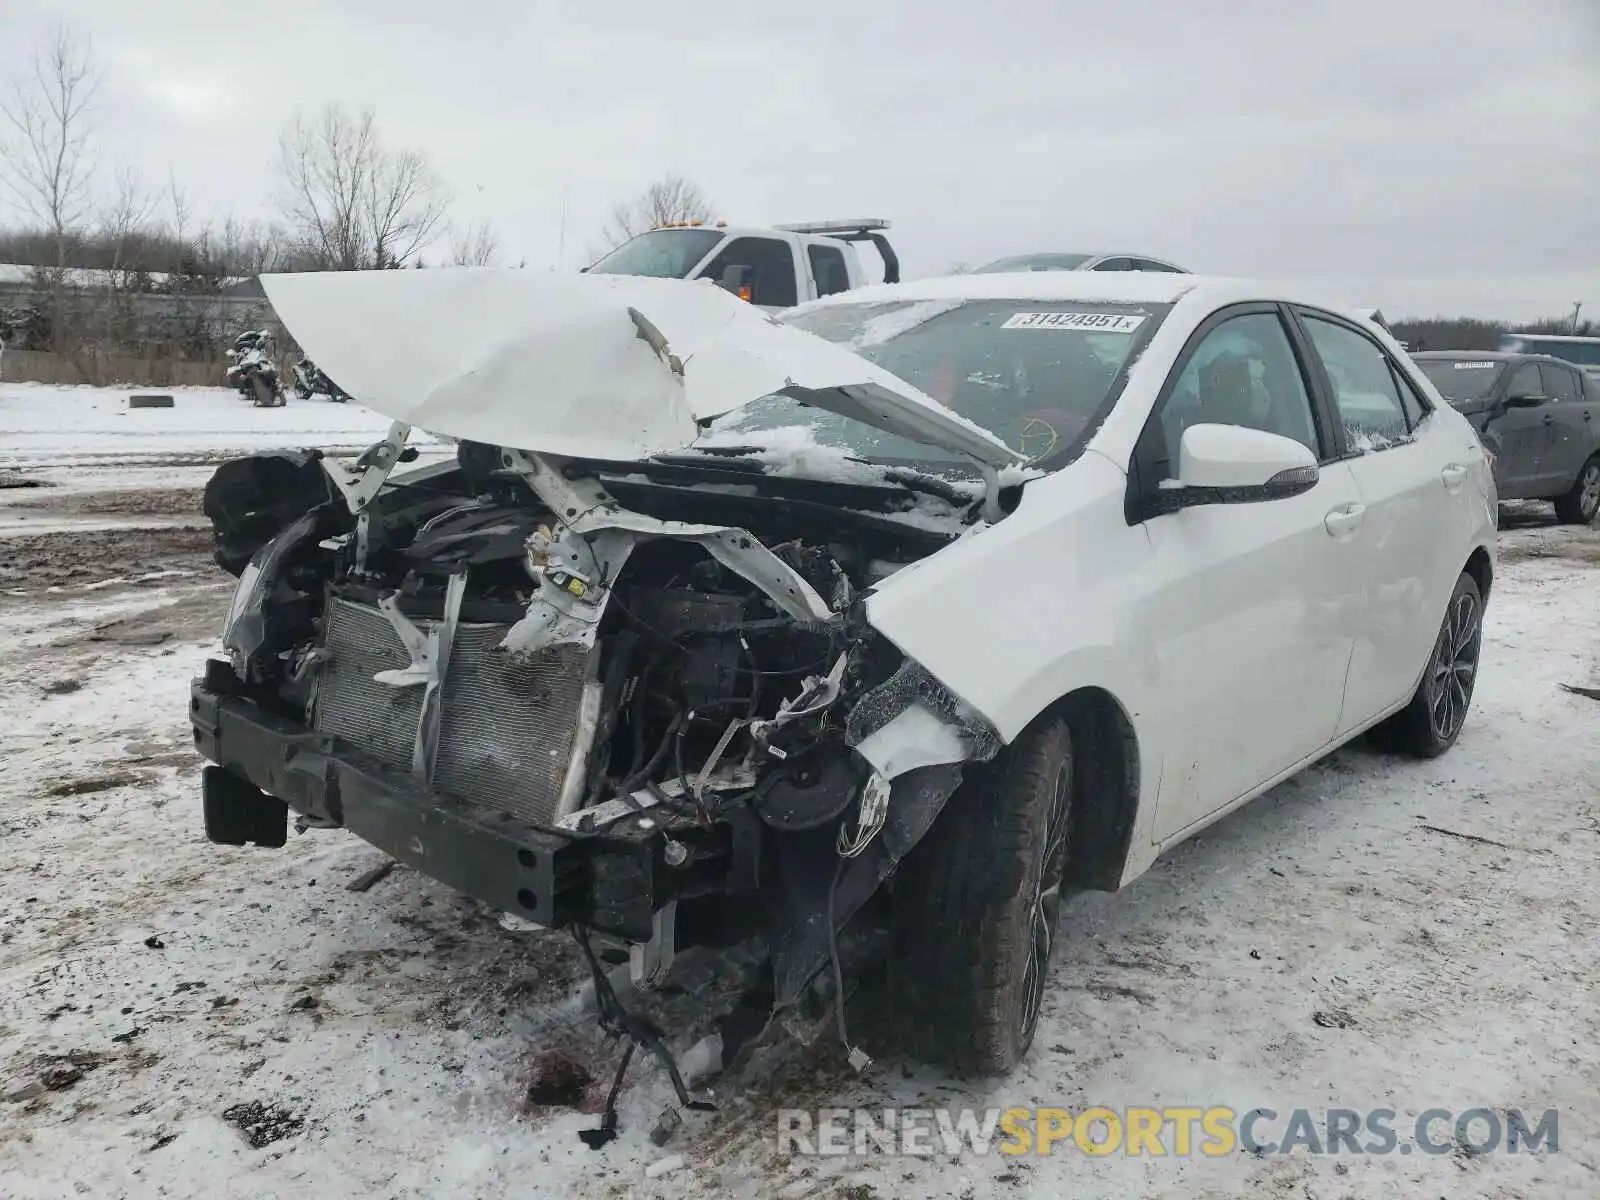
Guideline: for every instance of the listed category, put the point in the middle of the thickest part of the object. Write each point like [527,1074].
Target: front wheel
[1579,506]
[976,904]
[1431,723]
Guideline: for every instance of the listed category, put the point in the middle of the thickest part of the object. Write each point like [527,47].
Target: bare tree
[478,245]
[46,154]
[355,203]
[126,226]
[672,198]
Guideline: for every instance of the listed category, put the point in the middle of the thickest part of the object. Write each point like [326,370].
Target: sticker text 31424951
[1088,322]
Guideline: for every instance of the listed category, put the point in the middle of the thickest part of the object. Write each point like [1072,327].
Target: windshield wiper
[743,458]
[733,458]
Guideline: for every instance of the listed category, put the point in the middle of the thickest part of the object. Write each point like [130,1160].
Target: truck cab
[772,268]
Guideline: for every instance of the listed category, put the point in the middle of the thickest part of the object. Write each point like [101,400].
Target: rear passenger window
[1116,264]
[828,269]
[1364,387]
[1559,383]
[759,269]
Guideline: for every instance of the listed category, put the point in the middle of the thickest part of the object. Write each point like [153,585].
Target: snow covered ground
[162,999]
[67,427]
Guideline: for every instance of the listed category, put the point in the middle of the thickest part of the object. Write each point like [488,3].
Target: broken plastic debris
[664,1166]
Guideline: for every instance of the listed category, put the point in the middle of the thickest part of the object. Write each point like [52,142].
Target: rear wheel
[1579,506]
[261,390]
[1431,723]
[976,904]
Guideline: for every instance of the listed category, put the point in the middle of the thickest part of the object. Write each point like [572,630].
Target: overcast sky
[1432,155]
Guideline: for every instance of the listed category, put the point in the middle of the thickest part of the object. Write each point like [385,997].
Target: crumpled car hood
[557,364]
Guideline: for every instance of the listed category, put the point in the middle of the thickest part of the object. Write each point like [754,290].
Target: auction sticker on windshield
[1098,322]
[1475,366]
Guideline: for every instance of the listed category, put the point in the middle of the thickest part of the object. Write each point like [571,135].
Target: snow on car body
[977,588]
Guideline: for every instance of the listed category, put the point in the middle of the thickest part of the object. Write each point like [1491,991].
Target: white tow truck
[776,267]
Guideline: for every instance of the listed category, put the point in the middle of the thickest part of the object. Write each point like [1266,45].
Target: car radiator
[508,725]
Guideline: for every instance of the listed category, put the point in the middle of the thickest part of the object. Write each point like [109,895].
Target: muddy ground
[183,1019]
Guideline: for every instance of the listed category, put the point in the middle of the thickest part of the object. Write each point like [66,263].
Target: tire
[1431,723]
[261,390]
[976,904]
[302,391]
[1579,506]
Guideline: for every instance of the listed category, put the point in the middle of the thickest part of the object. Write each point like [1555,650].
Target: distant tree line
[1472,333]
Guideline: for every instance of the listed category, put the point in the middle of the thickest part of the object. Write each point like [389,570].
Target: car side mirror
[1232,464]
[1524,400]
[733,279]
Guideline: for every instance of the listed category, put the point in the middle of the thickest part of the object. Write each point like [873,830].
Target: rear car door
[828,269]
[1410,471]
[1569,423]
[1251,626]
[758,269]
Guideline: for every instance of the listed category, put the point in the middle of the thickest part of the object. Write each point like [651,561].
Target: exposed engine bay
[640,700]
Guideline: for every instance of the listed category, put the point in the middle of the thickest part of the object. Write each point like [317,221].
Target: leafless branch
[672,198]
[478,245]
[126,224]
[353,202]
[47,118]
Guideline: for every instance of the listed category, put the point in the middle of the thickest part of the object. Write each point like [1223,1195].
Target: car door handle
[1549,420]
[1345,520]
[1454,476]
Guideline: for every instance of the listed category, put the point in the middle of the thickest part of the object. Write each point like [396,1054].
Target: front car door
[1411,471]
[758,269]
[1252,617]
[1570,429]
[1517,435]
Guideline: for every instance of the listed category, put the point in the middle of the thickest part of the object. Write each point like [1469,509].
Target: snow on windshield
[876,330]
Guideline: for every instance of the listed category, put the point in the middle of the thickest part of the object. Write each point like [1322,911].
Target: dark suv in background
[1538,415]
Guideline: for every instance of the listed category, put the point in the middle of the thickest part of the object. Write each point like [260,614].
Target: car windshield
[1033,262]
[1038,374]
[661,253]
[1461,379]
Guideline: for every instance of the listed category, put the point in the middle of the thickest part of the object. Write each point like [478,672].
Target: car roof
[1088,287]
[1085,259]
[1502,356]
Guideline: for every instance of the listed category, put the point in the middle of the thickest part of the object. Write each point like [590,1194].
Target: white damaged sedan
[903,611]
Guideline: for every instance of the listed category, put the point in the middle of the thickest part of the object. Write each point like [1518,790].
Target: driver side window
[1525,381]
[1244,372]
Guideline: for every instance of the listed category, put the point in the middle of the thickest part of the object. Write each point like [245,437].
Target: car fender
[1035,607]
